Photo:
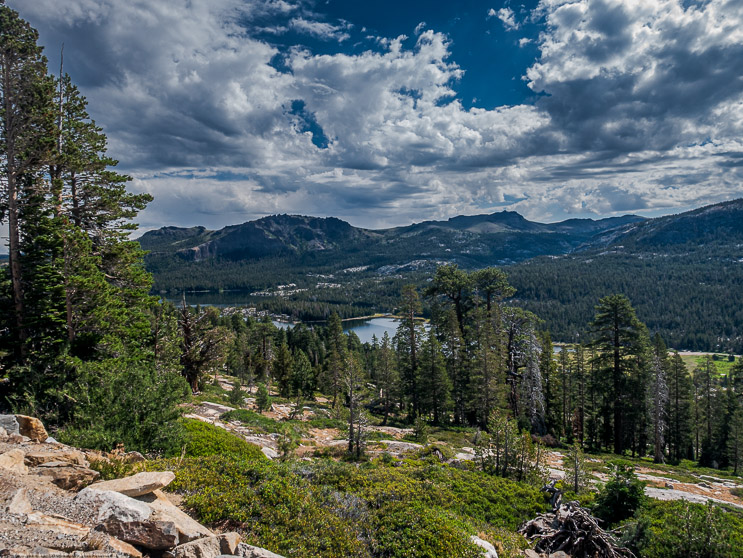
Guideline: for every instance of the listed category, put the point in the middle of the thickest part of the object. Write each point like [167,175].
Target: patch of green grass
[213,394]
[203,439]
[252,419]
[376,435]
[456,437]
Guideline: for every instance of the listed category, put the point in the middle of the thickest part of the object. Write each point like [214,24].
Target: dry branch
[573,530]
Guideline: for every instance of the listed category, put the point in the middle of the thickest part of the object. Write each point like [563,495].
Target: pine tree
[387,377]
[488,371]
[303,378]
[579,374]
[704,377]
[408,340]
[658,397]
[618,338]
[337,350]
[282,370]
[552,396]
[26,143]
[679,410]
[456,366]
[435,385]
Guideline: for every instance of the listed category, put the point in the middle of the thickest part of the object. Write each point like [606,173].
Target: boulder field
[52,504]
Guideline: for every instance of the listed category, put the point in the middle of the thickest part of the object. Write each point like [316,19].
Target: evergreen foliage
[81,337]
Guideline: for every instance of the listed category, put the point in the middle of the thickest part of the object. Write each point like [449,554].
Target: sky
[386,113]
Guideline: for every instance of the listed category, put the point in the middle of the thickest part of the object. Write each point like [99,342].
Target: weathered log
[573,530]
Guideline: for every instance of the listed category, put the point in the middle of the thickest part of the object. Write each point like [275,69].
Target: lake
[364,328]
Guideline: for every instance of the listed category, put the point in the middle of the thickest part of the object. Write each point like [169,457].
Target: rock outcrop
[49,506]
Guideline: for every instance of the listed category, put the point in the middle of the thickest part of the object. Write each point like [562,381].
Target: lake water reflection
[365,329]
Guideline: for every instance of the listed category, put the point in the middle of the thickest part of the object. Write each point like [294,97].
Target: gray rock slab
[114,505]
[139,484]
[10,424]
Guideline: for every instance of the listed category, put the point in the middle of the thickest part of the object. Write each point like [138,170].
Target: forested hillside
[680,271]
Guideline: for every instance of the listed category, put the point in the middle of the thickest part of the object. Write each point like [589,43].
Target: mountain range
[497,238]
[683,273]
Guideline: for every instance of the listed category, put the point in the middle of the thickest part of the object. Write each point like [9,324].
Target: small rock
[164,510]
[14,438]
[3,435]
[19,504]
[56,524]
[101,541]
[68,456]
[228,542]
[13,461]
[133,457]
[270,452]
[529,553]
[50,440]
[248,551]
[487,548]
[139,484]
[31,427]
[69,478]
[209,547]
[157,535]
[669,485]
[559,554]
[113,505]
[9,424]
[44,551]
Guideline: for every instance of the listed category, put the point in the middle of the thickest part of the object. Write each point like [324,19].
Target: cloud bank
[637,107]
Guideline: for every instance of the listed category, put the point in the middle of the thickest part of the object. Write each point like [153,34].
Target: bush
[203,439]
[418,531]
[127,402]
[621,496]
[333,509]
[252,419]
[684,530]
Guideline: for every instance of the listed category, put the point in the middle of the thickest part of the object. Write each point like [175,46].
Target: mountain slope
[683,274]
[470,240]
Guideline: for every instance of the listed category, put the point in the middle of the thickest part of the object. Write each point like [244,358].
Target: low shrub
[332,509]
[203,439]
[681,529]
[621,496]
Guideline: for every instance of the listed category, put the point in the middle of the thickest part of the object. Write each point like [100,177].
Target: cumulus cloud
[319,29]
[639,106]
[507,17]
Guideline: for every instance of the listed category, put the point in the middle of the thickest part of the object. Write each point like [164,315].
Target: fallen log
[573,530]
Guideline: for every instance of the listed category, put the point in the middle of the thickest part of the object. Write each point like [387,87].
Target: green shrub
[621,496]
[333,509]
[203,439]
[129,402]
[681,529]
[253,419]
[418,531]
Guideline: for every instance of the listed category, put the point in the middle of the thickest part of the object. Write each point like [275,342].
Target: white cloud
[643,110]
[320,30]
[508,18]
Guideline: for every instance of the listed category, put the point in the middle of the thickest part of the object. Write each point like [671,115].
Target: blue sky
[388,112]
